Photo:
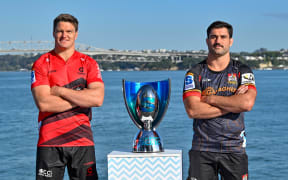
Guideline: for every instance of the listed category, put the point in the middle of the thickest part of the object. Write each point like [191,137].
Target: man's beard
[218,52]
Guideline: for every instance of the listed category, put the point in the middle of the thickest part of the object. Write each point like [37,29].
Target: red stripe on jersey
[252,86]
[74,137]
[59,128]
[191,93]
[67,114]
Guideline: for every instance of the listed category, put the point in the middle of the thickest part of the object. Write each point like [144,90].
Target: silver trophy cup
[146,103]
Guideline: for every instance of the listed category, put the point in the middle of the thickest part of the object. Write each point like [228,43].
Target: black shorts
[80,162]
[207,166]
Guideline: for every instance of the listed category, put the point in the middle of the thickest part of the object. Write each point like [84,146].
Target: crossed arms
[59,99]
[213,106]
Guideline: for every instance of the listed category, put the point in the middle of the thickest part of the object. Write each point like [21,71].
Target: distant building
[253,58]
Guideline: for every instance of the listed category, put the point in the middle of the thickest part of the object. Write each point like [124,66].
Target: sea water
[113,130]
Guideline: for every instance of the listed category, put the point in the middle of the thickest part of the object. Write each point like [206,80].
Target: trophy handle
[135,119]
[163,92]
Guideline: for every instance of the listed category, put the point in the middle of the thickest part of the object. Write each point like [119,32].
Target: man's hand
[48,99]
[242,101]
[198,108]
[241,90]
[211,99]
[56,91]
[207,99]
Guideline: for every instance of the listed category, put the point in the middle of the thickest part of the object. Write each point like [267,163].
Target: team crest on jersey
[33,77]
[189,82]
[81,71]
[247,78]
[232,79]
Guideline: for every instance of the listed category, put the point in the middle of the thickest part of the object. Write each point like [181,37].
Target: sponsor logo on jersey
[211,91]
[206,80]
[232,79]
[52,71]
[225,88]
[208,91]
[189,82]
[33,77]
[247,78]
[45,173]
[242,135]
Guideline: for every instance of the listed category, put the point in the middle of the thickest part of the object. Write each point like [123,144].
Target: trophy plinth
[146,103]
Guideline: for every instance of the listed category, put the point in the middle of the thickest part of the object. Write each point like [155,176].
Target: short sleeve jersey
[226,133]
[72,127]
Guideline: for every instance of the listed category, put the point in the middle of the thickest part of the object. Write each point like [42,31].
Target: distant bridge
[22,47]
[39,47]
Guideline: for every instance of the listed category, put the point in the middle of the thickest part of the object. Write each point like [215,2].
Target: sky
[150,24]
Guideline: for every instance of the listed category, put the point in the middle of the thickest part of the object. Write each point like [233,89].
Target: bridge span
[39,47]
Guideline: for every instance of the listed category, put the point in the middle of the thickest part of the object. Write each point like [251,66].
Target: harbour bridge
[38,47]
[18,47]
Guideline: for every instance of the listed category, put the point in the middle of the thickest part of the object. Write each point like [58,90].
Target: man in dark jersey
[65,85]
[216,93]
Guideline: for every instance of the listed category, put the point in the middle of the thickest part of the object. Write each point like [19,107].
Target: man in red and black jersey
[66,84]
[216,93]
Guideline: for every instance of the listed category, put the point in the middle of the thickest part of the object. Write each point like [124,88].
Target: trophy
[146,103]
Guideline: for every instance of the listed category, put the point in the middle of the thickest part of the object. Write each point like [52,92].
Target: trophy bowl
[146,103]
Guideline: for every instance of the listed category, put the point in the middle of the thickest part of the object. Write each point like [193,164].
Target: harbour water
[266,124]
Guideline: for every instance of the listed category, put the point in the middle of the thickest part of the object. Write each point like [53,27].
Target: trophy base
[147,141]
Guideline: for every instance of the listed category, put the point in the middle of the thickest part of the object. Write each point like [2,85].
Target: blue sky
[150,24]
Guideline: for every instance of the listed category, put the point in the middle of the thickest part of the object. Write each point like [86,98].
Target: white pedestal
[166,165]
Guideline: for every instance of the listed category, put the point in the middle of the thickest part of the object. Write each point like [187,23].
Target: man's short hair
[220,24]
[65,18]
